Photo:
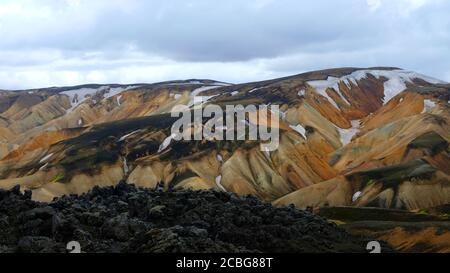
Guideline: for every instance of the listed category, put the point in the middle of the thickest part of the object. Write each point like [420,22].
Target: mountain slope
[340,129]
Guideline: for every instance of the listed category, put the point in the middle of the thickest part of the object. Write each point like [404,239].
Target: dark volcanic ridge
[129,219]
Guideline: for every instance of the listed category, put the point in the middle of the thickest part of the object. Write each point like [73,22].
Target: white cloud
[52,42]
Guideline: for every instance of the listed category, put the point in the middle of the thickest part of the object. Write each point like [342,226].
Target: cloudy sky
[68,42]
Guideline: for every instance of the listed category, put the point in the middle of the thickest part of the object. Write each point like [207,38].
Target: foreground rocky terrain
[127,219]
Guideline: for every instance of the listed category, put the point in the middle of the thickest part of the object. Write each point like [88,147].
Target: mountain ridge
[201,80]
[324,110]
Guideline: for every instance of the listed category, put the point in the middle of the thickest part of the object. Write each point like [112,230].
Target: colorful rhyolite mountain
[350,137]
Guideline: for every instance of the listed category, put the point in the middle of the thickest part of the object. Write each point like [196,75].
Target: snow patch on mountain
[166,143]
[255,89]
[428,105]
[126,169]
[347,134]
[331,82]
[219,158]
[43,166]
[219,183]
[198,100]
[396,82]
[78,96]
[356,196]
[299,129]
[128,135]
[45,158]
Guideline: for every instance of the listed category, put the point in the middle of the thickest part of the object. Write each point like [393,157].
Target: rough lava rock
[129,219]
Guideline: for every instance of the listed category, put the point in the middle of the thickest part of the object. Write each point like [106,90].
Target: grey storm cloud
[63,42]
